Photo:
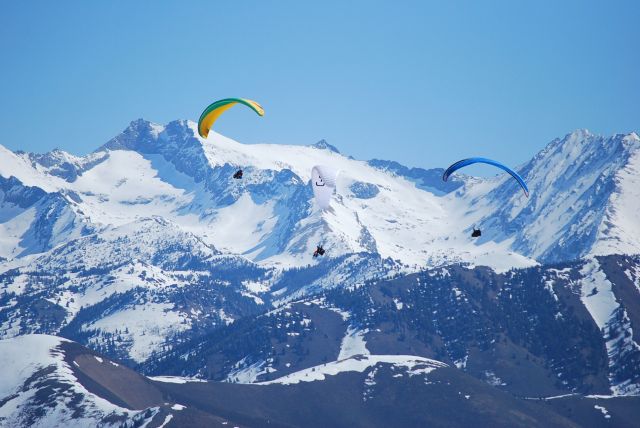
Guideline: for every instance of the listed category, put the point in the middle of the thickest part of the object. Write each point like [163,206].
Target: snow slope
[619,232]
[583,199]
[269,216]
[611,317]
[152,227]
[413,366]
[39,389]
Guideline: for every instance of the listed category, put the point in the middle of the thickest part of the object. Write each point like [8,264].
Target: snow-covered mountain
[40,389]
[56,382]
[583,200]
[269,216]
[538,331]
[48,381]
[138,284]
[149,252]
[152,228]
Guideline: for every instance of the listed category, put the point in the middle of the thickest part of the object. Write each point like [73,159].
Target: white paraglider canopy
[323,182]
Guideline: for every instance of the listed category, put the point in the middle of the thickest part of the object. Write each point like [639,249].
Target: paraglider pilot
[238,174]
[476,232]
[319,251]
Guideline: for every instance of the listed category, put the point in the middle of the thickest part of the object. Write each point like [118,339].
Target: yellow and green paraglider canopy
[213,112]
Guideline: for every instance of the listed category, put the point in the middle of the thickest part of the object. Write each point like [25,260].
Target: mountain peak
[581,133]
[139,122]
[135,136]
[632,138]
[323,145]
[139,126]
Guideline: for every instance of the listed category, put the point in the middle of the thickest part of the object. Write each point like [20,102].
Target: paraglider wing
[323,182]
[465,162]
[213,112]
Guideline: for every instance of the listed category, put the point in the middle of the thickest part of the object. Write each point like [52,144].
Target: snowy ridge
[598,297]
[359,363]
[583,187]
[618,232]
[175,379]
[152,228]
[583,199]
[34,221]
[136,276]
[41,366]
[269,216]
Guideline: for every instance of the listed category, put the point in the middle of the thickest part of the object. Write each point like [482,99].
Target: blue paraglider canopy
[465,162]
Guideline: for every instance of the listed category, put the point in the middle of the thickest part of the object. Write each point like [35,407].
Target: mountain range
[149,253]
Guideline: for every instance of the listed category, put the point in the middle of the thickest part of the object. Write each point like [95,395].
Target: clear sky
[424,83]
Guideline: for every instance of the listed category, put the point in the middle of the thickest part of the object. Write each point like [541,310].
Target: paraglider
[323,182]
[213,112]
[319,251]
[465,162]
[476,233]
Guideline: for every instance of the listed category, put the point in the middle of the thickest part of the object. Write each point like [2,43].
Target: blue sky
[418,82]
